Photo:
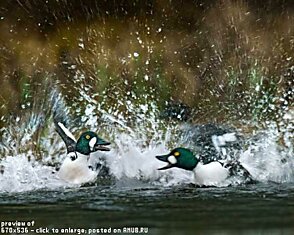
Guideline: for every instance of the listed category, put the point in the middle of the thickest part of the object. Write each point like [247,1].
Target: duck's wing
[213,142]
[68,138]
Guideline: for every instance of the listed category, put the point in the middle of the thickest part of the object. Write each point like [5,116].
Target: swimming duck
[210,173]
[215,160]
[75,168]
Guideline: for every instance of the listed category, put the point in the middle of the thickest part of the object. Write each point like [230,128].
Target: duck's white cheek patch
[92,143]
[172,160]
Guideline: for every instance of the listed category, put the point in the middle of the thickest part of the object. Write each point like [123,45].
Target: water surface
[185,209]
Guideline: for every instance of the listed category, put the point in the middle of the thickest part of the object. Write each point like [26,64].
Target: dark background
[204,53]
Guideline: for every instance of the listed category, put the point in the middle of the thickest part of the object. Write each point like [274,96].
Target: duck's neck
[81,157]
[84,156]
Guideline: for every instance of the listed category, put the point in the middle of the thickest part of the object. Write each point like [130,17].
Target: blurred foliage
[228,60]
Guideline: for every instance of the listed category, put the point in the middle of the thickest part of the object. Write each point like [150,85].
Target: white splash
[136,140]
[20,175]
[267,160]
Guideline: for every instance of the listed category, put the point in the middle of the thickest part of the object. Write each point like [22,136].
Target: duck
[215,161]
[211,173]
[75,168]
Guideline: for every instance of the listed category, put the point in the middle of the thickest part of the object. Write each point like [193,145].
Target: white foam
[23,175]
[133,157]
[135,143]
[268,161]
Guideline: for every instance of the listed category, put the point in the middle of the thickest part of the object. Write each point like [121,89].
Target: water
[114,76]
[135,193]
[253,209]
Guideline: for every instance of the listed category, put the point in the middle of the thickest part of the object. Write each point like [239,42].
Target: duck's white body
[76,171]
[211,174]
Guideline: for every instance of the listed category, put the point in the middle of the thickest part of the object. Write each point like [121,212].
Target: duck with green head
[75,167]
[208,173]
[217,150]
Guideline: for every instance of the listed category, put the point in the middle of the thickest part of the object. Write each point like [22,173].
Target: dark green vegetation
[227,60]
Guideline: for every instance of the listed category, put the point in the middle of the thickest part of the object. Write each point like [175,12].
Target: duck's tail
[66,135]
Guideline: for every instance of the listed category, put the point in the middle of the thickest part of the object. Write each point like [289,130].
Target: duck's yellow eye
[176,154]
[88,137]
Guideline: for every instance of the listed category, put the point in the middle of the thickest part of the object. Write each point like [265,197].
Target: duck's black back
[199,138]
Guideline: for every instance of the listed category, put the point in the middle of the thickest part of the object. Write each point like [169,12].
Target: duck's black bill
[100,145]
[163,158]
